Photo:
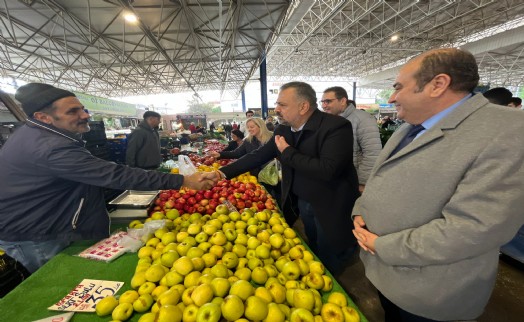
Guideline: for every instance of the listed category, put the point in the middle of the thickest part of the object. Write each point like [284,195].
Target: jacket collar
[449,122]
[349,109]
[143,124]
[71,136]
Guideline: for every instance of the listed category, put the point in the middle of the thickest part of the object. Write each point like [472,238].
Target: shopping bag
[269,174]
[185,165]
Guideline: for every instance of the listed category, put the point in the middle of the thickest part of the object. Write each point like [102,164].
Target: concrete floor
[505,305]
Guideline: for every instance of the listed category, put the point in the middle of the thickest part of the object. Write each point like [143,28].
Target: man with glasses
[366,136]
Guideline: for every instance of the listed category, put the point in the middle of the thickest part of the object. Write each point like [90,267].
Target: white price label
[84,296]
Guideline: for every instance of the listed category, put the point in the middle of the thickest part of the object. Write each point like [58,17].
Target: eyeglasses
[328,101]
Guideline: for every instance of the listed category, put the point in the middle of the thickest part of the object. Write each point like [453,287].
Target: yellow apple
[256,309]
[209,312]
[143,303]
[331,313]
[301,315]
[122,312]
[338,298]
[202,294]
[242,289]
[275,314]
[278,292]
[220,286]
[169,313]
[232,308]
[106,305]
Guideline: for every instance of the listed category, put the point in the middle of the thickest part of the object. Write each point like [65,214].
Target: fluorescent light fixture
[129,17]
[395,37]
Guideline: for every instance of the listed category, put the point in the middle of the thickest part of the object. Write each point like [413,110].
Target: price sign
[84,296]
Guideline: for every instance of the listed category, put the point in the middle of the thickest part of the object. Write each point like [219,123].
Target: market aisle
[505,305]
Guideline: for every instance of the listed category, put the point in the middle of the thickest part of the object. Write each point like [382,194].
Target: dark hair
[499,95]
[516,100]
[459,64]
[304,91]
[151,114]
[238,133]
[340,93]
[250,111]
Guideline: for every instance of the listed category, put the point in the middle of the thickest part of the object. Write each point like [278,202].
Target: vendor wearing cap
[52,187]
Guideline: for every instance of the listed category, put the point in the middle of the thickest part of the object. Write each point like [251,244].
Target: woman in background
[258,135]
[237,138]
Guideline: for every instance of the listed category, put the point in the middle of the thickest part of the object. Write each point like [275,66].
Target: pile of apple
[239,194]
[213,145]
[228,266]
[207,160]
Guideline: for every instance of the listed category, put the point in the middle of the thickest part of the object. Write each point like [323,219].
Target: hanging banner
[105,105]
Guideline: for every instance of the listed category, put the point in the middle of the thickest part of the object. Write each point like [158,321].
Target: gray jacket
[366,141]
[442,207]
[51,186]
[143,147]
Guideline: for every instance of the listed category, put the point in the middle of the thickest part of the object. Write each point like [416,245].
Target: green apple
[222,209]
[122,312]
[291,270]
[262,251]
[209,312]
[173,278]
[169,313]
[240,250]
[256,309]
[172,214]
[242,289]
[243,273]
[230,259]
[234,216]
[218,238]
[231,234]
[168,258]
[232,308]
[201,237]
[106,305]
[190,313]
[220,270]
[220,286]
[259,275]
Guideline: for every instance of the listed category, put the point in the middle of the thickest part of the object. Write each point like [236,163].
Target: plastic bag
[185,165]
[269,174]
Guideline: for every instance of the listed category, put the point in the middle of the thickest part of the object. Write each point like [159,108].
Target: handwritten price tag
[84,296]
[58,318]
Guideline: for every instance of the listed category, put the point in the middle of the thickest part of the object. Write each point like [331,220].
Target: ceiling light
[394,37]
[130,17]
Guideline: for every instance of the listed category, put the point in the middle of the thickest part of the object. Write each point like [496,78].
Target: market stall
[200,248]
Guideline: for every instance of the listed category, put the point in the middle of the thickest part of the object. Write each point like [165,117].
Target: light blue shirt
[429,123]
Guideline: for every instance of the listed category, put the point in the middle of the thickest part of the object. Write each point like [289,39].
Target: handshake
[202,180]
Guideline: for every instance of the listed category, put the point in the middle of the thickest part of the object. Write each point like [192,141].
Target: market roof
[195,45]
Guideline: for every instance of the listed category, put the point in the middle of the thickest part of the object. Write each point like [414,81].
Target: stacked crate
[117,150]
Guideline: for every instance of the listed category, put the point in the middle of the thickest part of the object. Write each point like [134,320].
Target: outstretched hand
[201,180]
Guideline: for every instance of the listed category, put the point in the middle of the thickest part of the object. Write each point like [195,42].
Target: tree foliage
[196,106]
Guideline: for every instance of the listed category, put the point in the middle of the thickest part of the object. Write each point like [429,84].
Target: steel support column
[263,88]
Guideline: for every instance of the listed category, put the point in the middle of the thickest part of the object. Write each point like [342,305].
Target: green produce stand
[30,300]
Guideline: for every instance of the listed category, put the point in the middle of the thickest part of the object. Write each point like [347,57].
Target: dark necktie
[415,129]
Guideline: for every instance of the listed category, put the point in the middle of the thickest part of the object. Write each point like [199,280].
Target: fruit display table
[30,300]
